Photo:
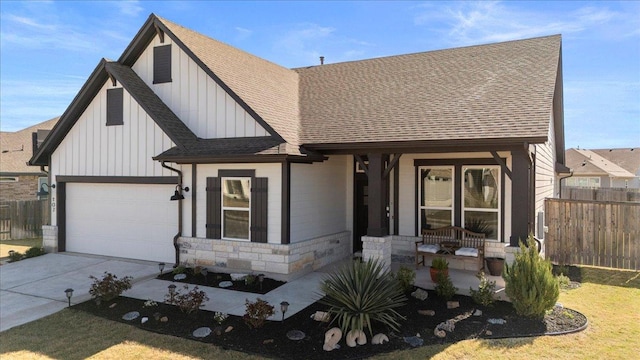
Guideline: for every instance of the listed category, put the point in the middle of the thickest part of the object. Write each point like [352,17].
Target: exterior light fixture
[161,267]
[284,306]
[43,191]
[260,280]
[69,293]
[172,292]
[177,195]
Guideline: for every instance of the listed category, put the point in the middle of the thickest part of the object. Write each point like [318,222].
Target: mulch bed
[213,279]
[271,340]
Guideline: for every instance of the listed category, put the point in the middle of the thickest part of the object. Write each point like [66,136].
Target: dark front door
[361,213]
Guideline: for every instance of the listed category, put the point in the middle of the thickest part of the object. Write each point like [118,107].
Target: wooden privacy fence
[593,233]
[600,194]
[23,219]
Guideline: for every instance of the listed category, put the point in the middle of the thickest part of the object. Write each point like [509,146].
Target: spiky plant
[529,282]
[360,293]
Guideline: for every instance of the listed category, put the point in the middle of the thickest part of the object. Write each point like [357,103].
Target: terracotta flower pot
[495,265]
[434,274]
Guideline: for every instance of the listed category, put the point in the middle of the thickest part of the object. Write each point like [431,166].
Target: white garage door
[124,220]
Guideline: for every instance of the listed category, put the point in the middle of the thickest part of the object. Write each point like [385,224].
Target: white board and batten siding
[195,97]
[320,199]
[272,171]
[93,149]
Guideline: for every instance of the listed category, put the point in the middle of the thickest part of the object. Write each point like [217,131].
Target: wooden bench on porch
[450,242]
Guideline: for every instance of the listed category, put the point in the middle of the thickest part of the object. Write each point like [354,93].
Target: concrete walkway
[34,288]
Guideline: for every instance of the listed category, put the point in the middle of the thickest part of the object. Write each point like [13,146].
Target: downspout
[175,238]
[560,181]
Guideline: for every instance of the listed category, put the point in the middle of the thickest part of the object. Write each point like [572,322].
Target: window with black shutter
[237,208]
[114,107]
[162,64]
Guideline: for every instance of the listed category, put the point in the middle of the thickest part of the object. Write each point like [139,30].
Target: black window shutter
[162,64]
[214,208]
[114,107]
[259,210]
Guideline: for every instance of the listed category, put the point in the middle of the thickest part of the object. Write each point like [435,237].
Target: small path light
[284,306]
[69,293]
[161,267]
[172,292]
[204,273]
[260,280]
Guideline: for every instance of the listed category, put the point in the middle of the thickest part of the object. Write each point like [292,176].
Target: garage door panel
[124,220]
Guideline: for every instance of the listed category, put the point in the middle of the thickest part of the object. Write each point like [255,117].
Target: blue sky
[49,48]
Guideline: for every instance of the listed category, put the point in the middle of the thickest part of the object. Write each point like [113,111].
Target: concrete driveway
[34,288]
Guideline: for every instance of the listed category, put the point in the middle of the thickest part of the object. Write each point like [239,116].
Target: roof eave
[227,159]
[78,105]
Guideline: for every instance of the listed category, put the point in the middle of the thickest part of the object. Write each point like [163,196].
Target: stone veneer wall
[283,262]
[50,238]
[377,248]
[404,251]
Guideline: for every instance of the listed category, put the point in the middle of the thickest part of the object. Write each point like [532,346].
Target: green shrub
[180,269]
[405,277]
[486,290]
[360,293]
[34,251]
[440,263]
[189,302]
[444,287]
[15,256]
[109,287]
[529,282]
[257,312]
[564,282]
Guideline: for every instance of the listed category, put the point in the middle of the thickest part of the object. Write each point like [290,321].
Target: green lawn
[20,246]
[610,300]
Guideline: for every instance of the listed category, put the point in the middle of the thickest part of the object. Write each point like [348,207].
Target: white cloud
[466,23]
[129,7]
[242,33]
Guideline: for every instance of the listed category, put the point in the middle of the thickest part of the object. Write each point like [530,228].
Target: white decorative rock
[236,277]
[202,332]
[331,339]
[144,319]
[478,312]
[178,277]
[321,316]
[225,284]
[130,316]
[356,336]
[420,294]
[439,333]
[453,304]
[379,339]
[295,335]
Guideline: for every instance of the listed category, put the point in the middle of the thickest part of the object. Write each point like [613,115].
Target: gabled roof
[467,97]
[587,162]
[17,149]
[494,91]
[626,158]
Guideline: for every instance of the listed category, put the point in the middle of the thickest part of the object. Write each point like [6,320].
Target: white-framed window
[236,208]
[436,194]
[583,181]
[481,200]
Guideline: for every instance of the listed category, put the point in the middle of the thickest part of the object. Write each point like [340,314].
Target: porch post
[377,188]
[520,189]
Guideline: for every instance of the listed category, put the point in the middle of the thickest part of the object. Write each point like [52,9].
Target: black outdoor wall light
[177,195]
[43,191]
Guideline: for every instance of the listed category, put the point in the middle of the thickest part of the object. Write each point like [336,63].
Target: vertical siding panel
[142,143]
[221,121]
[150,147]
[250,125]
[201,116]
[134,139]
[230,116]
[240,121]
[211,116]
[104,136]
[192,77]
[97,143]
[82,145]
[75,141]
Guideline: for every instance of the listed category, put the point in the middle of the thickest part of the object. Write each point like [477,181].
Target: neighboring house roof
[494,91]
[626,158]
[589,163]
[479,95]
[17,149]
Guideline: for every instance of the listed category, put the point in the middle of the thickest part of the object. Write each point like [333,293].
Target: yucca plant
[360,293]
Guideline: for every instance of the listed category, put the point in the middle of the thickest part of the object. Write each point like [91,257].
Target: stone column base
[50,238]
[377,248]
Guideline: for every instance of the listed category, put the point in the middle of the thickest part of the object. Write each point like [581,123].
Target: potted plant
[438,265]
[495,265]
